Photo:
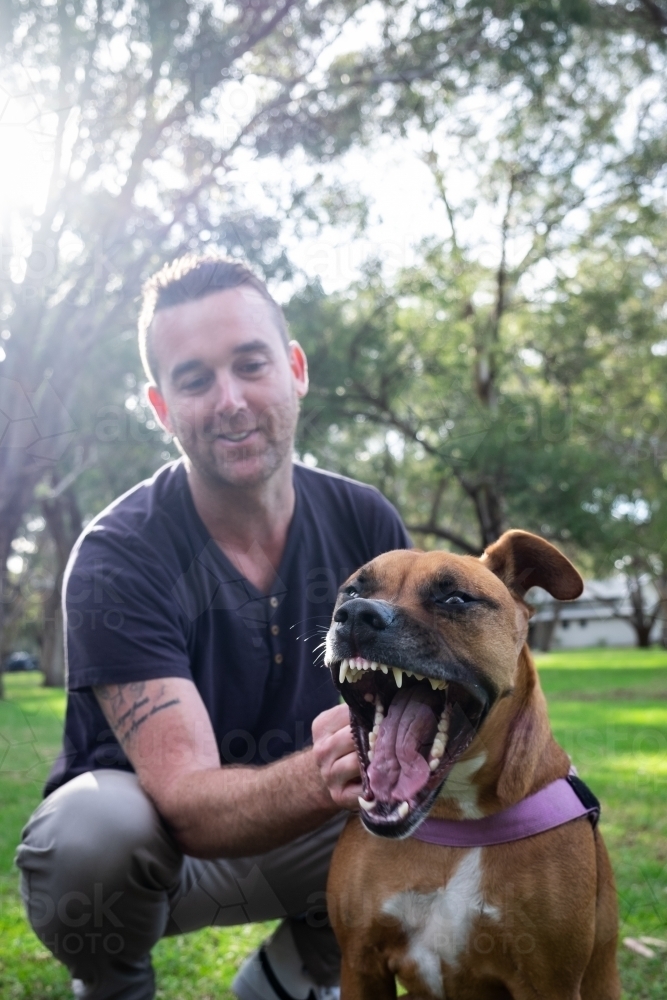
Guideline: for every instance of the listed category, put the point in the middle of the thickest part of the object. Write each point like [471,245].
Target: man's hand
[336,756]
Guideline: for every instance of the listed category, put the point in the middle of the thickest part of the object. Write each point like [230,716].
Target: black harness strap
[586,797]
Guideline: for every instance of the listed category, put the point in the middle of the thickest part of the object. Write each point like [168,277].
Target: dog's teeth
[443,726]
[374,665]
[365,805]
[403,810]
[343,671]
[370,756]
[384,668]
[433,763]
[434,684]
[372,737]
[398,676]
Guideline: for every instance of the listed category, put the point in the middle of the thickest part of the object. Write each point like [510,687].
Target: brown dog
[449,719]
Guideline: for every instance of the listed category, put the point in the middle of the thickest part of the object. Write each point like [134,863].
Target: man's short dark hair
[187,279]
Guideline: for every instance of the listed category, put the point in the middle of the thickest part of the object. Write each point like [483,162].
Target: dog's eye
[351,590]
[457,598]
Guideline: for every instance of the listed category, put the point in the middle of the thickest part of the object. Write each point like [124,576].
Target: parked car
[21,661]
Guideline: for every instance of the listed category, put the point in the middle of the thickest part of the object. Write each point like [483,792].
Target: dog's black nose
[359,612]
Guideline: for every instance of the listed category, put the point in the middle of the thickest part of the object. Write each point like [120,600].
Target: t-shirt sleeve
[122,620]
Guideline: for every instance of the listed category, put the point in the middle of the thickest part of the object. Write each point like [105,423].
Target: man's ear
[156,399]
[299,365]
[523,560]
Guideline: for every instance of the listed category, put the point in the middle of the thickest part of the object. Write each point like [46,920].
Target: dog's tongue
[399,770]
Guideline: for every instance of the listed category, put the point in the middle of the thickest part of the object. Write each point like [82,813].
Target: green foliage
[508,378]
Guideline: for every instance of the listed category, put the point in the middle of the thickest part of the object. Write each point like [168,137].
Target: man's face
[229,389]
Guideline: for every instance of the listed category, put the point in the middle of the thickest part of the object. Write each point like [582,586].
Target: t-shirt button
[278,658]
[274,630]
[273,602]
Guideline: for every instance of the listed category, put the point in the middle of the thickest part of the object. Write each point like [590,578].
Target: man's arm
[229,811]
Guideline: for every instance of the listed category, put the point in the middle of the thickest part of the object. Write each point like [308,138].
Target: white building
[598,618]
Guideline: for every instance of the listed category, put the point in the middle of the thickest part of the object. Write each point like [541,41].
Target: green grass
[193,967]
[608,709]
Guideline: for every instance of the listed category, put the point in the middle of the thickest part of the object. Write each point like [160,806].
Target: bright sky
[403,210]
[397,183]
[403,204]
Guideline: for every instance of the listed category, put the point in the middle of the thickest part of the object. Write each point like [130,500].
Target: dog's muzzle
[415,708]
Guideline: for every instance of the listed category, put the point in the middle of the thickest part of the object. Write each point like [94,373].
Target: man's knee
[84,843]
[100,818]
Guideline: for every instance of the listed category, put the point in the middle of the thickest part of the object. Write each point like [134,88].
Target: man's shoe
[275,972]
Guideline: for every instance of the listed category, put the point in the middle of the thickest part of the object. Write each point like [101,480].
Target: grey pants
[102,882]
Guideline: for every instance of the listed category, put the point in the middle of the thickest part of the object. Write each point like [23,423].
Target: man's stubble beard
[277,427]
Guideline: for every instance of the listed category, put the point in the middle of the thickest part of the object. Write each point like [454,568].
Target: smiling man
[188,793]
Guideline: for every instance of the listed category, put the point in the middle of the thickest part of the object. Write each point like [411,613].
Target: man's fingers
[345,769]
[339,742]
[343,781]
[330,721]
[336,756]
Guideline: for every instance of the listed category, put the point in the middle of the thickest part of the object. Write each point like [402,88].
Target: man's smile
[237,437]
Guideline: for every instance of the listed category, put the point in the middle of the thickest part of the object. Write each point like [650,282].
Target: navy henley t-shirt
[148,594]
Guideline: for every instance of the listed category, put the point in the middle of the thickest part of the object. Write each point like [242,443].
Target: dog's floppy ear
[523,560]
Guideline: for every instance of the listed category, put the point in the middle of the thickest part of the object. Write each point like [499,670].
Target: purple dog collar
[555,804]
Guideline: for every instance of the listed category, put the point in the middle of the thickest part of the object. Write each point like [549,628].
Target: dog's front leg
[355,984]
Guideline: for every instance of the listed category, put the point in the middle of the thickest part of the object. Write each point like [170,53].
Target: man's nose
[230,398]
[363,617]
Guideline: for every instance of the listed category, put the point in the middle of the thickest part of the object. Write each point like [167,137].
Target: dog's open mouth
[409,731]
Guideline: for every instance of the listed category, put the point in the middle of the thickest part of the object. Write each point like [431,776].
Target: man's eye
[195,384]
[252,367]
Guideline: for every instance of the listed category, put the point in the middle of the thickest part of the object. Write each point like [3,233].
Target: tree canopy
[513,376]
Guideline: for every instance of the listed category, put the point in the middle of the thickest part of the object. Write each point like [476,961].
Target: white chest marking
[459,786]
[438,924]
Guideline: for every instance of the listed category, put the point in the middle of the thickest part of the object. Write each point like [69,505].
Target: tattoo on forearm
[124,706]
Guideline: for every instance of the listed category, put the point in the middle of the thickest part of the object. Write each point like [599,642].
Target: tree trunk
[63,521]
[661,586]
[11,513]
[53,644]
[643,634]
[488,507]
[640,618]
[550,628]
